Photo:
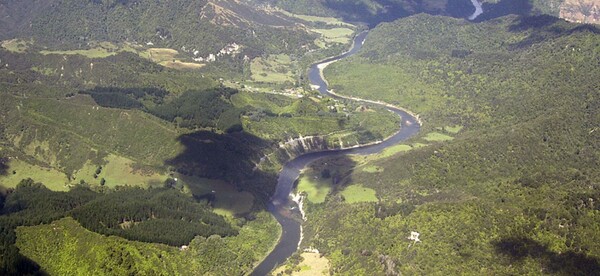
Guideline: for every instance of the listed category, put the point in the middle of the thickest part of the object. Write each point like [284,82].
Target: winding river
[281,204]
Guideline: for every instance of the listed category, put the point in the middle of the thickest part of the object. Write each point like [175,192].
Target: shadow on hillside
[360,12]
[568,263]
[231,157]
[23,266]
[532,23]
[390,10]
[503,8]
[544,27]
[3,166]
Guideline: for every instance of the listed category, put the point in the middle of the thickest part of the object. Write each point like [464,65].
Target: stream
[281,206]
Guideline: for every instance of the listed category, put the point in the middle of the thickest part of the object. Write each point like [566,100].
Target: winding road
[281,204]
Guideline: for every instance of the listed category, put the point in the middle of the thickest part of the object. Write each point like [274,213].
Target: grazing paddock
[358,193]
[53,179]
[315,187]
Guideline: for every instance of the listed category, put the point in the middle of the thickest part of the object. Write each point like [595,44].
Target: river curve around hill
[281,206]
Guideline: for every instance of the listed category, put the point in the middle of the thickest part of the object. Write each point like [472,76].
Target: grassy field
[167,57]
[98,52]
[275,103]
[44,130]
[319,19]
[393,150]
[163,56]
[101,50]
[358,193]
[180,65]
[117,171]
[315,187]
[338,31]
[53,179]
[437,137]
[334,35]
[273,69]
[120,171]
[311,264]
[155,140]
[453,129]
[228,200]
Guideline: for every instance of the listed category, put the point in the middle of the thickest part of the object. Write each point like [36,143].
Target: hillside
[199,27]
[377,11]
[146,137]
[503,179]
[581,11]
[586,11]
[164,140]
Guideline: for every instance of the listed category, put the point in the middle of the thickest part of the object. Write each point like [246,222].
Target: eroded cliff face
[581,11]
[297,146]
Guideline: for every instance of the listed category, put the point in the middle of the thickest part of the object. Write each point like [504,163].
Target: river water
[281,204]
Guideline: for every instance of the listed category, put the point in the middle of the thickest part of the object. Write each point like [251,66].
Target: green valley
[512,192]
[200,137]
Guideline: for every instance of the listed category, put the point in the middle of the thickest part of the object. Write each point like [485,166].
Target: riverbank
[284,209]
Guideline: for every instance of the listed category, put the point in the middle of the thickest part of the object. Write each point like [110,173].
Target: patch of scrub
[16,45]
[372,169]
[315,187]
[359,193]
[44,70]
[17,170]
[437,137]
[226,199]
[453,129]
[418,145]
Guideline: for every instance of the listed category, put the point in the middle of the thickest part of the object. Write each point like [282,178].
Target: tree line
[159,215]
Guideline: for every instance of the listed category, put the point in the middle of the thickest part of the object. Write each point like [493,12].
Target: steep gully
[281,206]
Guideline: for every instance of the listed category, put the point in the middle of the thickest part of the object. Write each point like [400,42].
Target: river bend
[281,204]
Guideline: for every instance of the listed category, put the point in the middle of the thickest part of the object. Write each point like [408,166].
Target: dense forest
[514,192]
[195,109]
[160,215]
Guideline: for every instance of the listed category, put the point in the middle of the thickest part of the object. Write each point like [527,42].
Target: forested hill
[504,178]
[205,26]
